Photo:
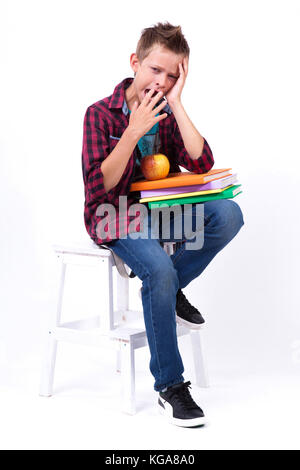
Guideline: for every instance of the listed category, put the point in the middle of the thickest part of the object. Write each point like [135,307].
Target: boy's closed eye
[156,70]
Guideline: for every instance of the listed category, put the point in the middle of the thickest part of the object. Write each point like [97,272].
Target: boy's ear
[134,62]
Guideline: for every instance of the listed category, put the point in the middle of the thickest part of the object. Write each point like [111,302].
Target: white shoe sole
[167,412]
[192,326]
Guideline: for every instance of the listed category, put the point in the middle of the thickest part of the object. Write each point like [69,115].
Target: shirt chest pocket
[113,141]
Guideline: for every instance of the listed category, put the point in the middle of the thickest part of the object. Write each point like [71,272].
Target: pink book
[216,184]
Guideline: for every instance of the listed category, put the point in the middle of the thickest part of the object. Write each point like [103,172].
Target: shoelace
[182,396]
[185,304]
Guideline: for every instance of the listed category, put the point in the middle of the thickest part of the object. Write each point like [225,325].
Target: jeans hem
[159,388]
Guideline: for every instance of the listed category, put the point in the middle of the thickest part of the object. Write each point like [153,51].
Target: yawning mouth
[147,91]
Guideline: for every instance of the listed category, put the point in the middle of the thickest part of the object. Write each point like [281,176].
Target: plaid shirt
[104,123]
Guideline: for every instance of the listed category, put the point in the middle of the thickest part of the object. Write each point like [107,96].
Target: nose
[161,83]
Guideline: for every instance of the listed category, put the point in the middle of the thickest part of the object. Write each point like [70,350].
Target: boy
[118,131]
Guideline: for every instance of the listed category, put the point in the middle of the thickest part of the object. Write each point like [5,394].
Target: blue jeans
[163,275]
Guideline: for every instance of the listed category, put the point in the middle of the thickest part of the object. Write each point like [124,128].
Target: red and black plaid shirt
[104,123]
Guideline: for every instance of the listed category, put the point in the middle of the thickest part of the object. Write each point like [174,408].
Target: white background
[242,93]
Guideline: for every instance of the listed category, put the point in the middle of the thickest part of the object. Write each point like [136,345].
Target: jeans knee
[165,275]
[236,215]
[229,218]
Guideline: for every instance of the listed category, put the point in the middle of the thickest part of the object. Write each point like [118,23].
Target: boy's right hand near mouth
[142,117]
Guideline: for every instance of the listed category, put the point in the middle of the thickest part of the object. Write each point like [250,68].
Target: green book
[227,194]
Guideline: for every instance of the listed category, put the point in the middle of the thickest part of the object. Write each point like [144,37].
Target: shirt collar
[118,100]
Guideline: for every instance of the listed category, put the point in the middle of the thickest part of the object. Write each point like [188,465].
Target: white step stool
[111,328]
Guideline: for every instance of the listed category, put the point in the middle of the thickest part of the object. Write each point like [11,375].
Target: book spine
[234,191]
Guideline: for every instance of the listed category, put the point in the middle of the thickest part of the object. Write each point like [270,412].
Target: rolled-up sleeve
[199,165]
[95,149]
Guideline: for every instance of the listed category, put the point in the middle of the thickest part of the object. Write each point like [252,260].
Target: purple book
[216,184]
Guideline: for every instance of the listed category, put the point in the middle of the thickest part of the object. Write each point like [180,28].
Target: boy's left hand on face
[174,95]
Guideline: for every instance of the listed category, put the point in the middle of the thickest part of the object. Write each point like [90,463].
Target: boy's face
[159,70]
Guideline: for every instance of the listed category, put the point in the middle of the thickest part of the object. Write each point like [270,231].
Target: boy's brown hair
[163,34]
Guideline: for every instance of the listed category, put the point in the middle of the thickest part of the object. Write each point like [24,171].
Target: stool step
[127,334]
[93,336]
[89,331]
[83,324]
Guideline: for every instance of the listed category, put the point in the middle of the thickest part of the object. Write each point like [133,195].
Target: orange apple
[155,167]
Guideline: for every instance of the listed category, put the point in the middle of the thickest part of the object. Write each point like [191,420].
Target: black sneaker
[186,314]
[178,406]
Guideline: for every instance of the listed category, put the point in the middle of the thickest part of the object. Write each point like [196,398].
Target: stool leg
[128,377]
[47,376]
[122,295]
[118,361]
[122,307]
[199,364]
[107,322]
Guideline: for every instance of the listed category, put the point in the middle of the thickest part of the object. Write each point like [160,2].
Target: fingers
[160,117]
[147,97]
[152,101]
[159,107]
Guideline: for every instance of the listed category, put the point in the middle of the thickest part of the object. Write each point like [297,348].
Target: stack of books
[188,188]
